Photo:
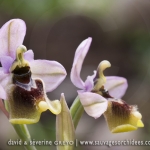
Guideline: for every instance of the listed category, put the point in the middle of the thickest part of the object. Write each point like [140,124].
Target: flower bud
[65,131]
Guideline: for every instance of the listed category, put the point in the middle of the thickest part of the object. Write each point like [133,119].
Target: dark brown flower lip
[27,95]
[104,92]
[20,71]
[26,101]
[22,75]
[120,108]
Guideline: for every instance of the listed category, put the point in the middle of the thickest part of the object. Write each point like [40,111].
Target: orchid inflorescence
[24,83]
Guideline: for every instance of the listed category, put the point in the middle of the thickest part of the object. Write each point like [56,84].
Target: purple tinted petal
[78,61]
[89,83]
[6,62]
[29,55]
[81,91]
[3,93]
[51,72]
[3,83]
[11,36]
[116,86]
[94,104]
[5,79]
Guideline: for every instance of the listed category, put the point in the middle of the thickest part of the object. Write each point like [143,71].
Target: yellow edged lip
[140,123]
[24,121]
[124,128]
[127,127]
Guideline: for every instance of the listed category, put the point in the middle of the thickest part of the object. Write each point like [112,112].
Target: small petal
[11,36]
[29,55]
[116,86]
[78,61]
[94,104]
[65,131]
[51,72]
[89,83]
[6,62]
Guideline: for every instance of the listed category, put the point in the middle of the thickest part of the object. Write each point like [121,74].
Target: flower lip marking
[22,75]
[121,108]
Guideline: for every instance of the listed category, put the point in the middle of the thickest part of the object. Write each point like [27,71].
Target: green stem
[23,133]
[76,111]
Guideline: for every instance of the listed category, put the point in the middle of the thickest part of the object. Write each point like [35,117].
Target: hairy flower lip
[122,117]
[28,103]
[120,109]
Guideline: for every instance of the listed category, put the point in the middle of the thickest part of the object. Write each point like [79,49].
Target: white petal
[11,36]
[29,55]
[51,72]
[94,104]
[6,62]
[78,61]
[116,86]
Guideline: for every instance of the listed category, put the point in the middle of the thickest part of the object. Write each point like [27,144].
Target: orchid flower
[98,93]
[23,80]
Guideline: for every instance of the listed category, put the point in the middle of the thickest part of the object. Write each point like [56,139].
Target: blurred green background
[121,34]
